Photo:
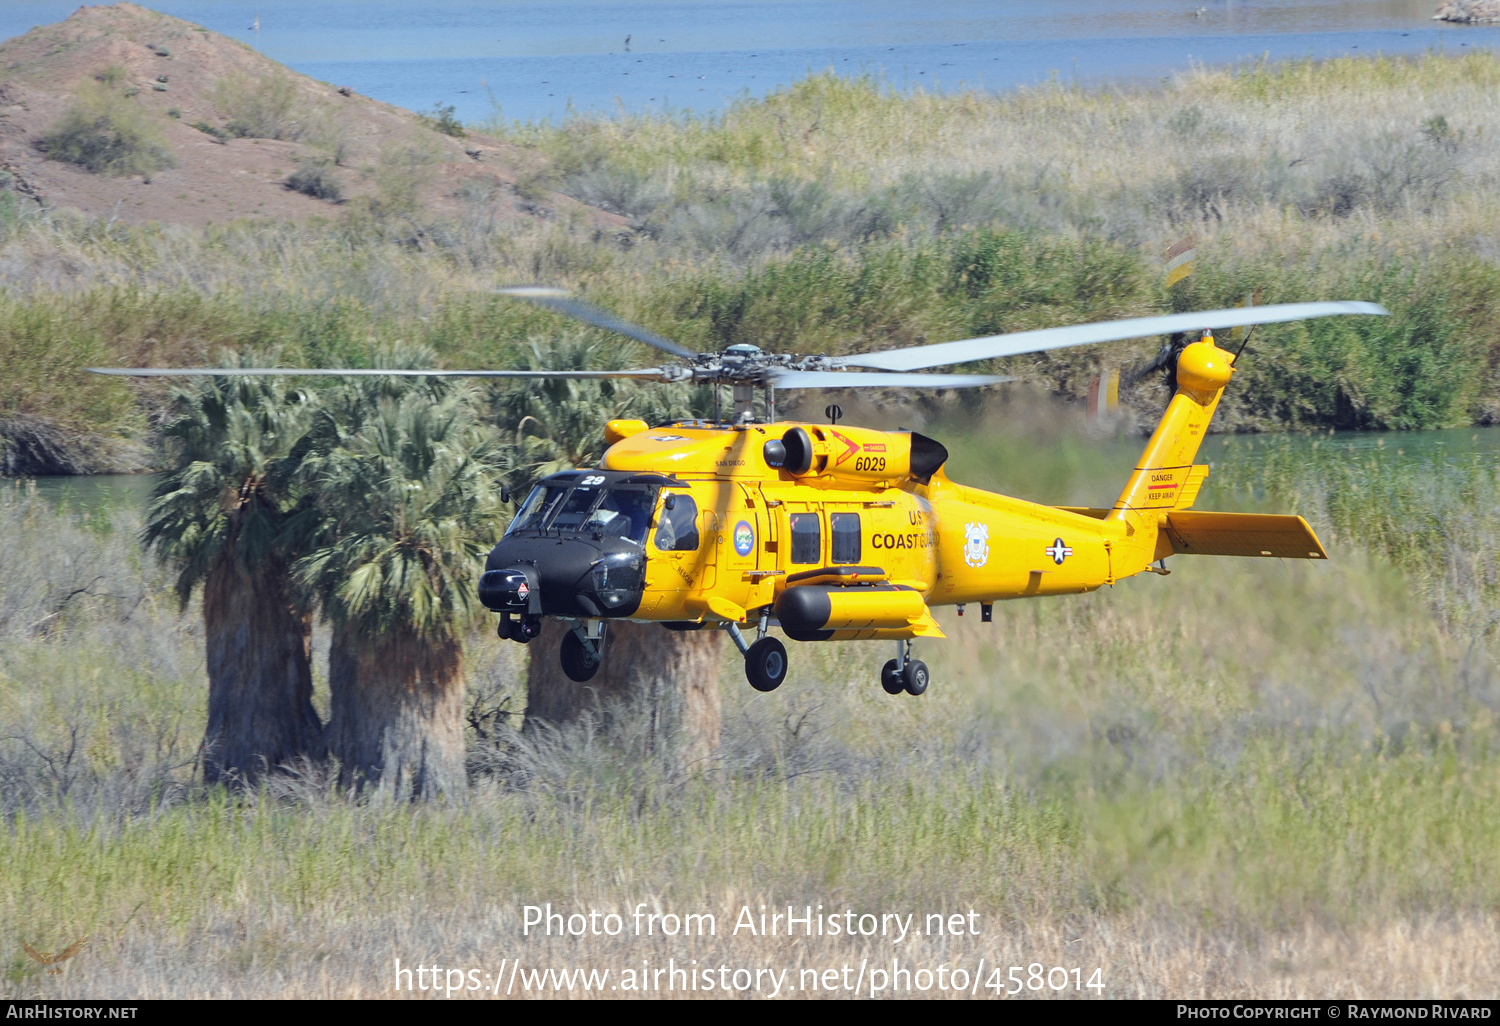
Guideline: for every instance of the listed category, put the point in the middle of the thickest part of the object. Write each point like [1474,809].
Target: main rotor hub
[747,364]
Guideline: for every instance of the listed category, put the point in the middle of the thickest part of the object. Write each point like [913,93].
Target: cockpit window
[574,510]
[537,508]
[623,514]
[588,509]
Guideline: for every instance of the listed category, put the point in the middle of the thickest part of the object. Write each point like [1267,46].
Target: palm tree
[219,515]
[552,425]
[403,500]
[555,424]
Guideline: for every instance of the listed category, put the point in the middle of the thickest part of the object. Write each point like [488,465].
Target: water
[95,499]
[1066,469]
[1069,469]
[537,60]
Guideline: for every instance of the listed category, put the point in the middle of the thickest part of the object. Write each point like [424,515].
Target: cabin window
[678,529]
[843,530]
[807,538]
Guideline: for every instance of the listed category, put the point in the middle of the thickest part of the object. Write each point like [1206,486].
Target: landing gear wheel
[578,662]
[766,664]
[914,677]
[890,678]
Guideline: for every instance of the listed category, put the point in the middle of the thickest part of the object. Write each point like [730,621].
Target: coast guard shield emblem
[976,544]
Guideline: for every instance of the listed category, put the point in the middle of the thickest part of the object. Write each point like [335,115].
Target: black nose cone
[572,577]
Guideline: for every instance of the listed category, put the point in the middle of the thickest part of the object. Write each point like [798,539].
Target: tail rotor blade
[1162,359]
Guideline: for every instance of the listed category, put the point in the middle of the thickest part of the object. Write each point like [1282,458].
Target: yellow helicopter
[829,532]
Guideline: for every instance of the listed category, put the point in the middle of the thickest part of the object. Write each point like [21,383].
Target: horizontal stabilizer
[1242,534]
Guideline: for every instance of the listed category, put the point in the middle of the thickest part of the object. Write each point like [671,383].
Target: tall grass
[1210,783]
[1430,512]
[1247,778]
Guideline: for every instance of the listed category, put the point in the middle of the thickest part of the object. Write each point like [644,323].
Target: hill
[231,128]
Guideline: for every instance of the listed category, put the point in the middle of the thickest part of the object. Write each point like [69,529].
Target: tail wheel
[579,662]
[890,679]
[766,664]
[914,677]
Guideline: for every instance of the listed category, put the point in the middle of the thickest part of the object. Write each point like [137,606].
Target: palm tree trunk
[397,714]
[676,673]
[260,713]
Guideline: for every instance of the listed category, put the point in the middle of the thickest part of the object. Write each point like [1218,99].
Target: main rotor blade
[856,379]
[563,302]
[646,373]
[948,353]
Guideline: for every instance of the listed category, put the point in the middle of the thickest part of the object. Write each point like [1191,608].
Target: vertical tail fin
[1165,478]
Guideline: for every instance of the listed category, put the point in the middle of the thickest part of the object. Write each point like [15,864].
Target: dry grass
[287,955]
[1246,779]
[1250,154]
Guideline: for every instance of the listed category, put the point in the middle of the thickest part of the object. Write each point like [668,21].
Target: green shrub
[214,130]
[315,178]
[402,172]
[259,109]
[441,119]
[106,135]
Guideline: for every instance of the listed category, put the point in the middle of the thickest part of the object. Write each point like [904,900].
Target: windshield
[573,511]
[604,512]
[536,509]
